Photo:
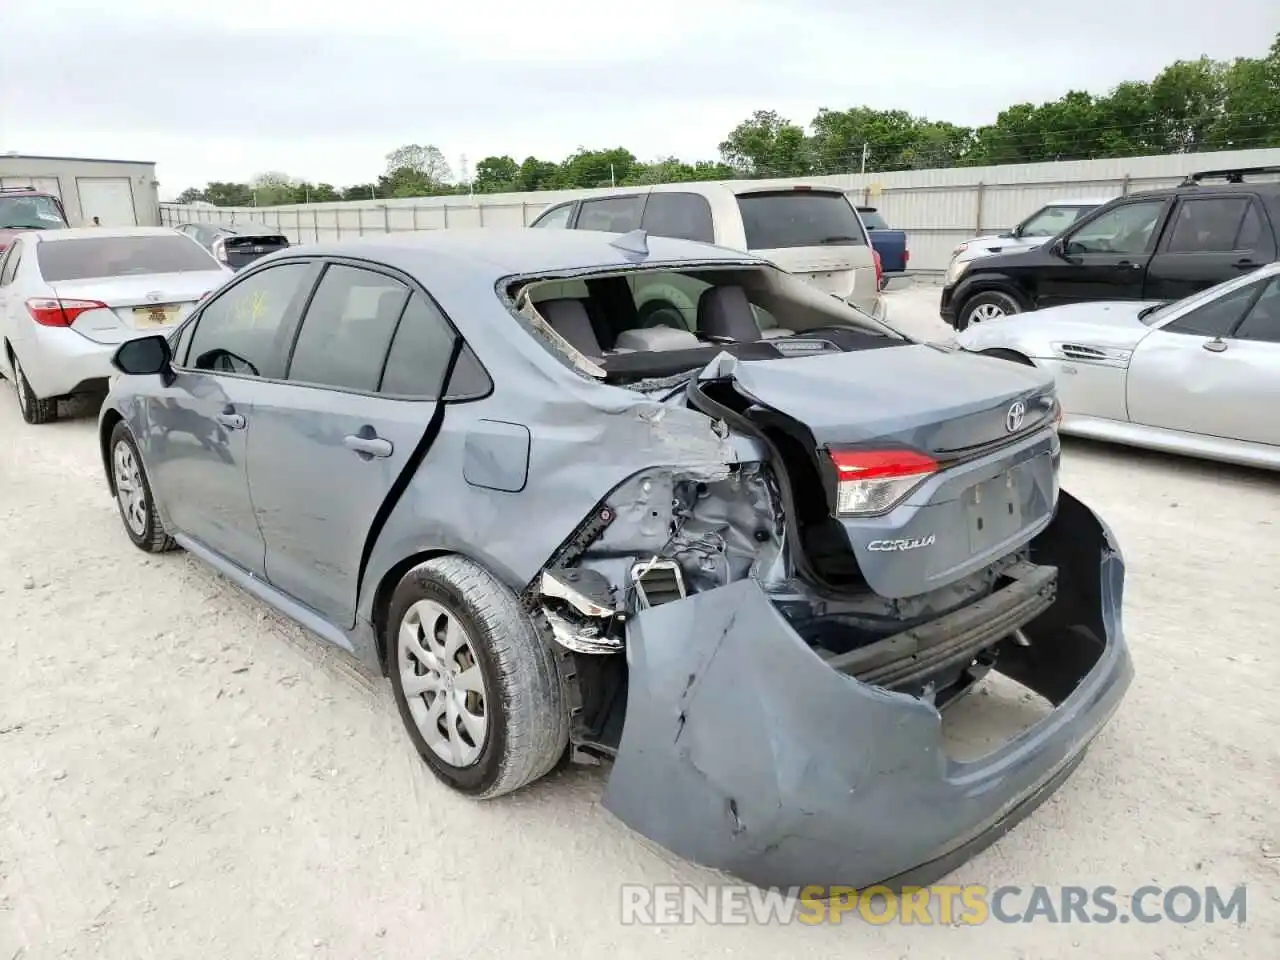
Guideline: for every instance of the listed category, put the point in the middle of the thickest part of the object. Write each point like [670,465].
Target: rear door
[326,446]
[815,234]
[1105,257]
[1214,370]
[1209,240]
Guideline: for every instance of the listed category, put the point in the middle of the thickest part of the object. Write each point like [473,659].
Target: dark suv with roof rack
[1156,245]
[26,208]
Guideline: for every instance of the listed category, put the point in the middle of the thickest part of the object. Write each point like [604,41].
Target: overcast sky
[322,90]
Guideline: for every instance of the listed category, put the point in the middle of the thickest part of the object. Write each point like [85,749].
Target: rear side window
[1216,318]
[611,214]
[238,331]
[684,216]
[420,353]
[1208,225]
[121,257]
[799,218]
[347,329]
[1263,321]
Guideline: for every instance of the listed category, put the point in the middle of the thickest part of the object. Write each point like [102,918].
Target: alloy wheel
[985,311]
[443,683]
[130,490]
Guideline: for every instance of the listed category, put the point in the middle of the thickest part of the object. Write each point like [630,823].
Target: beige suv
[811,231]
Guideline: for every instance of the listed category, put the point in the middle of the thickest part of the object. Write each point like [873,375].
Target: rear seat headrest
[568,317]
[657,338]
[726,312]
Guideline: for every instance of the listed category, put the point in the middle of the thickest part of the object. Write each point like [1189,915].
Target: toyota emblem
[1013,419]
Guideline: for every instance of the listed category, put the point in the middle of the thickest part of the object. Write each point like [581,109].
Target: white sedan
[68,298]
[1199,376]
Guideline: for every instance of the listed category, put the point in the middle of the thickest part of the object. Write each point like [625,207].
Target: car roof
[496,252]
[233,227]
[24,192]
[91,233]
[1080,202]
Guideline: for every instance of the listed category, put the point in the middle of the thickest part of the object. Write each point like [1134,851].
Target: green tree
[767,145]
[496,174]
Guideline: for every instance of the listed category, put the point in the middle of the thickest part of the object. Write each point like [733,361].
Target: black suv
[1158,245]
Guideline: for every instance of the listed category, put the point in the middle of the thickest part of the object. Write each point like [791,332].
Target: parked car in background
[25,208]
[553,527]
[1199,376]
[1155,245]
[811,231]
[1045,224]
[69,297]
[236,244]
[889,243]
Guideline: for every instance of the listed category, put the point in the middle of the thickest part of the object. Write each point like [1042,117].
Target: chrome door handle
[230,419]
[374,446]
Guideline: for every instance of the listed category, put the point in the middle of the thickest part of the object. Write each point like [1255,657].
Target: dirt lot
[182,774]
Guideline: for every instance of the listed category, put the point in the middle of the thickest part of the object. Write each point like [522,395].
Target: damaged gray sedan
[746,555]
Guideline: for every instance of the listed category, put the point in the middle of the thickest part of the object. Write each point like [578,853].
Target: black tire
[525,708]
[1010,355]
[33,409]
[999,300]
[662,313]
[149,534]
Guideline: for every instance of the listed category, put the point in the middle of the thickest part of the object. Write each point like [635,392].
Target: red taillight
[873,481]
[59,313]
[906,256]
[879,268]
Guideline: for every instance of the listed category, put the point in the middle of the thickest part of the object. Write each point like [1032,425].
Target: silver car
[748,566]
[1199,376]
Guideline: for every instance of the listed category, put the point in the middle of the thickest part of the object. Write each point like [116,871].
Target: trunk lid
[137,305]
[987,423]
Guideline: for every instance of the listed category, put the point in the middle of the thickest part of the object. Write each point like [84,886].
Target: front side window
[1263,320]
[611,214]
[555,218]
[799,218]
[347,329]
[122,256]
[1208,225]
[1125,229]
[1051,221]
[1216,318]
[240,330]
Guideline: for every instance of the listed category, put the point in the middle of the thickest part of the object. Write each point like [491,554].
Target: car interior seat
[725,313]
[569,318]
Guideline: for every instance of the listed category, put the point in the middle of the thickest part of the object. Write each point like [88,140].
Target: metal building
[119,193]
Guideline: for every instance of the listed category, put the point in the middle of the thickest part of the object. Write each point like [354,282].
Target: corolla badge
[896,546]
[1014,418]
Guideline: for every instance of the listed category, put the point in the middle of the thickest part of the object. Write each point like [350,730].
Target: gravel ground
[183,774]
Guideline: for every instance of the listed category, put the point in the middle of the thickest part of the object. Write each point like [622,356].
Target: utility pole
[865,149]
[613,182]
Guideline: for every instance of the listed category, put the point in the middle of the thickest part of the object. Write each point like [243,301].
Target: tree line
[1190,106]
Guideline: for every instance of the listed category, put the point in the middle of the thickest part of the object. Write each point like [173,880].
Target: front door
[1209,240]
[1104,258]
[1215,370]
[329,445]
[196,437]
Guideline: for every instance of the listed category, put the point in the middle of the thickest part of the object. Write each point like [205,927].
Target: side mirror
[145,355]
[1058,248]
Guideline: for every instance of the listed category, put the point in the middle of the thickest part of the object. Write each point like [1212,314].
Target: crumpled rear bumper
[742,750]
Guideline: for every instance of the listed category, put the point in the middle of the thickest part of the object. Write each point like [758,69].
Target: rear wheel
[989,305]
[34,410]
[477,687]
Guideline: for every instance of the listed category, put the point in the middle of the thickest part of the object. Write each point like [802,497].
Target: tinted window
[1123,229]
[1051,221]
[420,353]
[34,212]
[1202,226]
[238,332]
[121,257]
[872,219]
[347,328]
[1216,318]
[610,214]
[1250,235]
[685,216]
[1263,321]
[799,218]
[555,217]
